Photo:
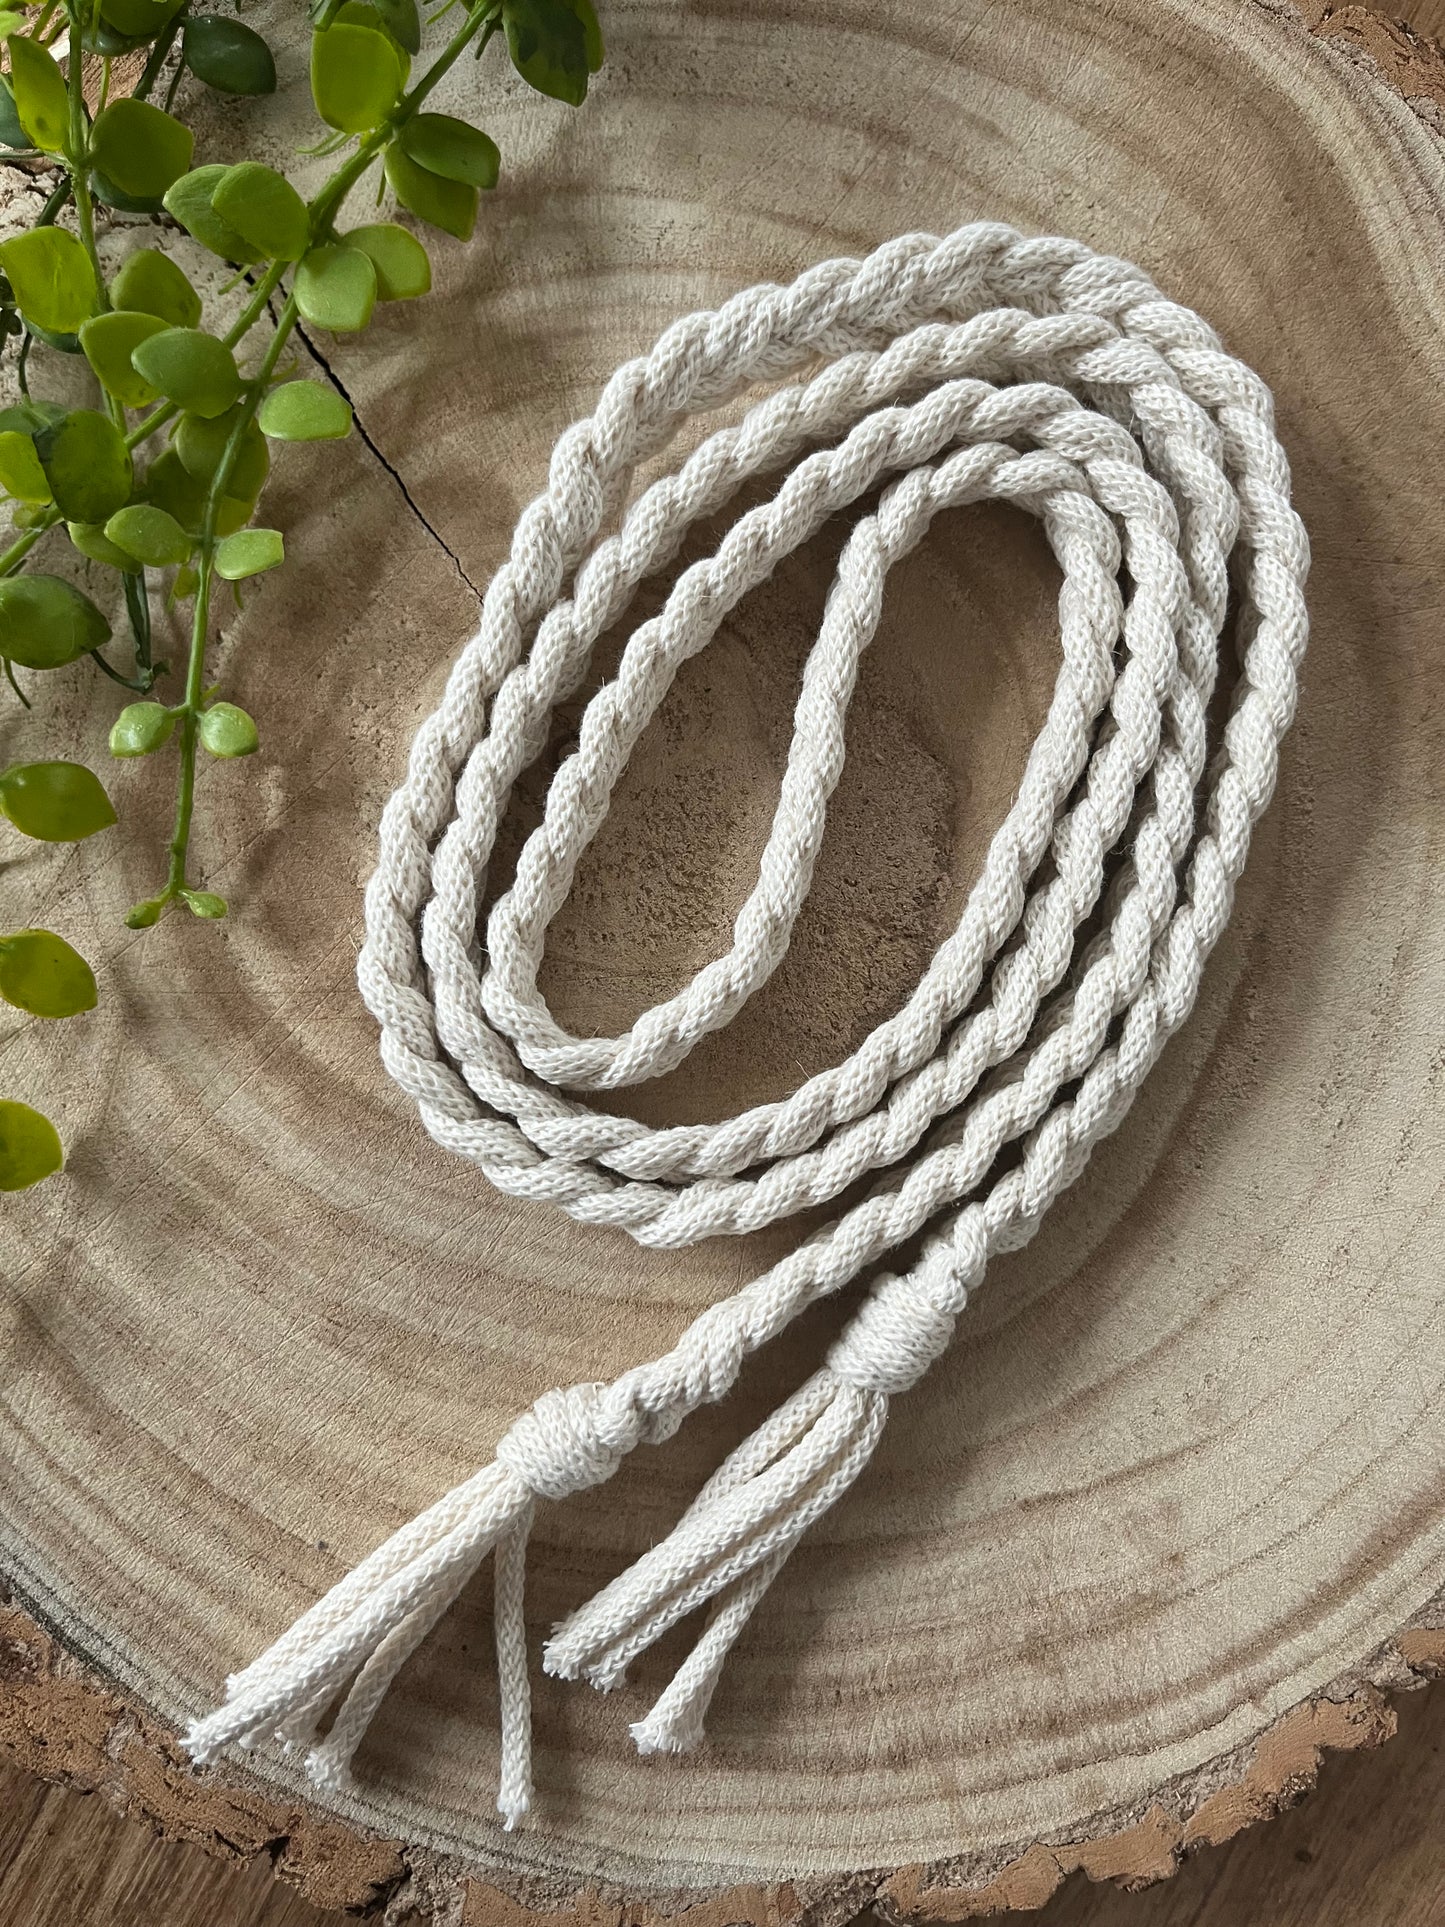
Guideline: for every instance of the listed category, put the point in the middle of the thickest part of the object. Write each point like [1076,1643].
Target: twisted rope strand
[983,366]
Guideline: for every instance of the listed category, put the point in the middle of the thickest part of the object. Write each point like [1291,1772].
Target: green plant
[40,973]
[160,482]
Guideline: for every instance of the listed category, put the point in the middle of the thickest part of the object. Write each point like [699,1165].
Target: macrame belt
[981,367]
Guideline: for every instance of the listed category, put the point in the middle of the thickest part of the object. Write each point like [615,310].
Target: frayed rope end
[200,1744]
[513,1811]
[653,1736]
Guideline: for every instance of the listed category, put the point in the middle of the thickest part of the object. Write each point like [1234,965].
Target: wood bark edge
[61,1721]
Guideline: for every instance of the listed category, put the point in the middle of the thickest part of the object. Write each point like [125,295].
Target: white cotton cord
[514,1790]
[762,1501]
[365,1625]
[328,1762]
[675,1722]
[984,366]
[728,1547]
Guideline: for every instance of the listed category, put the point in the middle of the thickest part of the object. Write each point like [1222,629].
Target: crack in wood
[314,350]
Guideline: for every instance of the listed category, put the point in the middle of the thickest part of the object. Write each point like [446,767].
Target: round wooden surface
[1181,1469]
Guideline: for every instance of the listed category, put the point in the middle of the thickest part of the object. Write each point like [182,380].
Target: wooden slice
[1178,1483]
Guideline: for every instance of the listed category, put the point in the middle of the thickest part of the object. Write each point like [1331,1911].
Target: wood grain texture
[1178,1483]
[67,1859]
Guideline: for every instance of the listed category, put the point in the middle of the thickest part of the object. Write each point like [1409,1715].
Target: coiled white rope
[981,366]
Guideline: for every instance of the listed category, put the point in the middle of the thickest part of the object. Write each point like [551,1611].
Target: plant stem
[78,164]
[21,547]
[190,709]
[10,678]
[77,153]
[190,718]
[125,682]
[59,195]
[138,607]
[165,40]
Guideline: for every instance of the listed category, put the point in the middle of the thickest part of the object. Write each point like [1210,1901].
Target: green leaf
[140,149]
[189,199]
[448,205]
[90,539]
[20,472]
[151,283]
[304,411]
[39,972]
[555,45]
[232,515]
[138,19]
[55,802]
[228,55]
[140,728]
[68,344]
[224,729]
[30,1147]
[191,368]
[248,552]
[201,443]
[97,36]
[402,268]
[362,13]
[356,76]
[41,100]
[51,275]
[87,465]
[109,195]
[402,22]
[264,209]
[109,341]
[169,485]
[336,287]
[149,534]
[45,622]
[204,903]
[12,134]
[29,417]
[449,147]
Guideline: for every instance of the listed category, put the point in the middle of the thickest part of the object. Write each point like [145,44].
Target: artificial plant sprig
[160,483]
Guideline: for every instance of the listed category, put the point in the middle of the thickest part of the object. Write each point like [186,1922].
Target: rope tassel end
[726,1549]
[367,1627]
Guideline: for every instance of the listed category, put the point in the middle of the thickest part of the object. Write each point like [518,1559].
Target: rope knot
[557,1448]
[893,1337]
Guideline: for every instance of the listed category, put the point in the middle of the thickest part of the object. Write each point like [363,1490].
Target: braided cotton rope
[983,366]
